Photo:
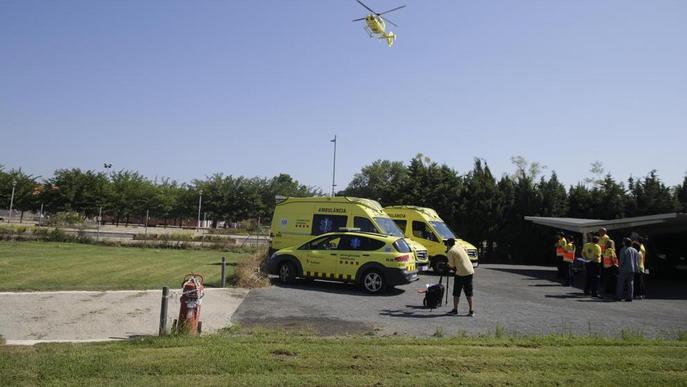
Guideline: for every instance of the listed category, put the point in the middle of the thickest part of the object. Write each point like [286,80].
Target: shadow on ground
[425,312]
[218,284]
[656,287]
[336,287]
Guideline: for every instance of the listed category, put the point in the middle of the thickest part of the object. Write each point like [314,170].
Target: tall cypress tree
[681,195]
[651,196]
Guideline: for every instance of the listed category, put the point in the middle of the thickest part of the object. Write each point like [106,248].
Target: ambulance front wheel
[373,281]
[287,272]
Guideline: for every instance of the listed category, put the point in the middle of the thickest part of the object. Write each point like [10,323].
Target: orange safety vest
[560,247]
[569,252]
[610,258]
[602,242]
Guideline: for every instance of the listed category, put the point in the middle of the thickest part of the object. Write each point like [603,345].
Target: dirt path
[34,317]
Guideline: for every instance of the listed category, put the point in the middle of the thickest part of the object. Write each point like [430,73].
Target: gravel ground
[518,299]
[106,315]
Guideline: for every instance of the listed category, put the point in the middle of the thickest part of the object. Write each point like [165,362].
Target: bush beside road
[73,266]
[133,236]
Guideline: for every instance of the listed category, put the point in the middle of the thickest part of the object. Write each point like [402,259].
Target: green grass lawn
[73,266]
[278,359]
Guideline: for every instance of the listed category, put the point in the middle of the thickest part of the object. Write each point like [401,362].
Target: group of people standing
[621,274]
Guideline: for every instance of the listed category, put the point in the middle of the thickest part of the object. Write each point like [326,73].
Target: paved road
[102,315]
[520,299]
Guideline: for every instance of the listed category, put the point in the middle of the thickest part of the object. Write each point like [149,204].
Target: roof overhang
[668,222]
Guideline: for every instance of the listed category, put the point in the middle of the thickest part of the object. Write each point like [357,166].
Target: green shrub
[66,219]
[9,229]
[40,232]
[6,230]
[57,235]
[177,236]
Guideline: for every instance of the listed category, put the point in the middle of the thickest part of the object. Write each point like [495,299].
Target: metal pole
[200,204]
[145,239]
[257,234]
[9,216]
[223,281]
[163,311]
[100,219]
[202,237]
[40,217]
[334,167]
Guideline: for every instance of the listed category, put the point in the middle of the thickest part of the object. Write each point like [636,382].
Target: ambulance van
[297,220]
[424,225]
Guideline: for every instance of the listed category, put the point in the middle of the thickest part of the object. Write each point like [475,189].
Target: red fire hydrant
[192,292]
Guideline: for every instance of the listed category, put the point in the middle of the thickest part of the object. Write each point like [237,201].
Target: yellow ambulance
[297,220]
[423,225]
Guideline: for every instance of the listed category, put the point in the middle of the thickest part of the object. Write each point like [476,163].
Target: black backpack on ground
[434,294]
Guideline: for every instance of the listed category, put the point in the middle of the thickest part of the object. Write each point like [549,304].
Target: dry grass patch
[248,273]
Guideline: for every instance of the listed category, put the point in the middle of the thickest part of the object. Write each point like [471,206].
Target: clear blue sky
[184,89]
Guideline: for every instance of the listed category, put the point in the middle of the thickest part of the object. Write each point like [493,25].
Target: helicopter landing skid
[369,31]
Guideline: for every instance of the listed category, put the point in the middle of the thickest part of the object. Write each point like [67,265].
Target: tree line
[489,210]
[126,196]
[479,206]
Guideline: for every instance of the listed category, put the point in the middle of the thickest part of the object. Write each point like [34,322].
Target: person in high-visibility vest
[610,264]
[568,259]
[603,240]
[560,251]
[591,251]
[639,289]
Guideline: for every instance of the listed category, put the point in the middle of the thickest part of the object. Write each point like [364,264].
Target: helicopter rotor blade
[366,7]
[362,18]
[389,21]
[391,10]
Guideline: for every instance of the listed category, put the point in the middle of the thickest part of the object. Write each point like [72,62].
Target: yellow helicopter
[376,26]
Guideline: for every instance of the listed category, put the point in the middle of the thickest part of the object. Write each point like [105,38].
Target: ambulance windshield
[443,230]
[388,226]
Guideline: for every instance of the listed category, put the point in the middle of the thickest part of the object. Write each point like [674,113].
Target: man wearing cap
[460,263]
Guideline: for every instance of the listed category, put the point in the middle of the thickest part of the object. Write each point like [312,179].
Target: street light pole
[200,204]
[334,166]
[107,166]
[9,217]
